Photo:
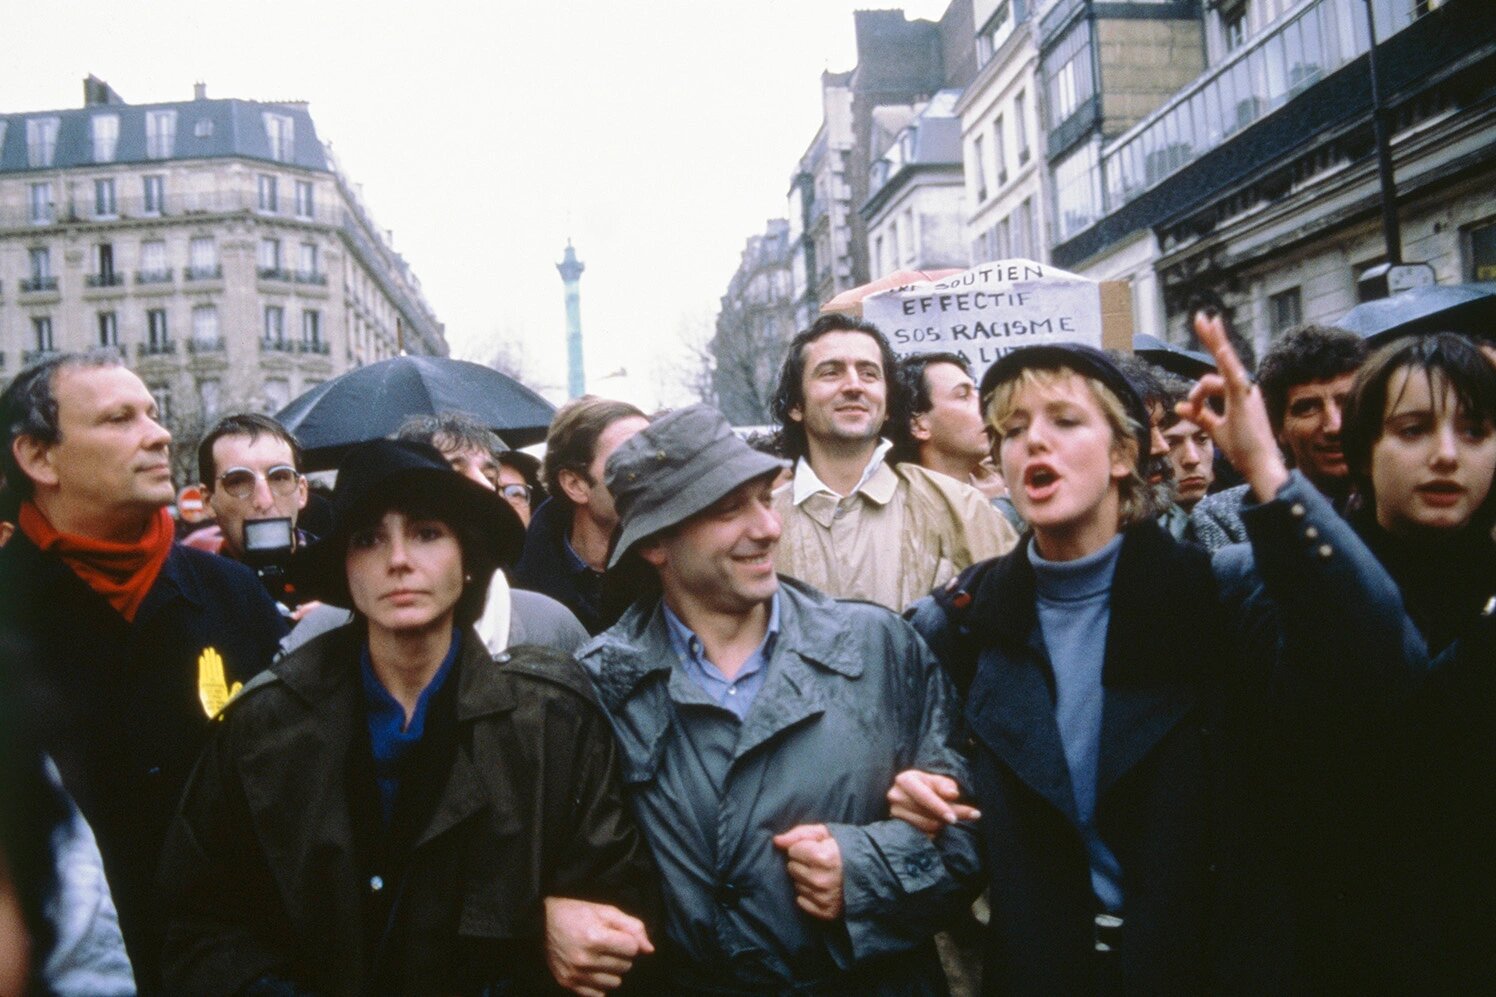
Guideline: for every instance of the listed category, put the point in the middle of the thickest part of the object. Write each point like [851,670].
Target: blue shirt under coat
[389,736]
[1074,608]
[737,694]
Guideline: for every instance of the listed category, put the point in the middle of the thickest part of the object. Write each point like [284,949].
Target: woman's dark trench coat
[274,866]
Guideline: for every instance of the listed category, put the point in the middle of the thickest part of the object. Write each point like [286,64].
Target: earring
[467,578]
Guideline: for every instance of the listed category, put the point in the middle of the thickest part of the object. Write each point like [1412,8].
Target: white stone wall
[215,198]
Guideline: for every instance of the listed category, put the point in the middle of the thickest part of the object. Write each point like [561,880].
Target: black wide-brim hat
[390,474]
[1085,360]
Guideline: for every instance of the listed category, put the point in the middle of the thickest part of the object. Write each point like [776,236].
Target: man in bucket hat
[761,724]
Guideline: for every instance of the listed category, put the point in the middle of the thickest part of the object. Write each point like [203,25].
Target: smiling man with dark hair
[1306,378]
[854,525]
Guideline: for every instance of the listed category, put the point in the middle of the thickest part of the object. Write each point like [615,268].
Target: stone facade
[915,213]
[1006,185]
[900,63]
[214,243]
[1143,63]
[1276,205]
[755,324]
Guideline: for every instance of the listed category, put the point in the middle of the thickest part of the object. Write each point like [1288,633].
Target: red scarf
[121,573]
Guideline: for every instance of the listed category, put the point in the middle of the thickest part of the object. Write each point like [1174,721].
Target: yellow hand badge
[212,687]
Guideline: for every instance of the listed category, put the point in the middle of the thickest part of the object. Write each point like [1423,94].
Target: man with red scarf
[132,643]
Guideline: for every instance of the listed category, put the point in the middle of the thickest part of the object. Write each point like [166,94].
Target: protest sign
[994,308]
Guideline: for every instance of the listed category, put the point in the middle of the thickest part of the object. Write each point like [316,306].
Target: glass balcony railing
[1250,84]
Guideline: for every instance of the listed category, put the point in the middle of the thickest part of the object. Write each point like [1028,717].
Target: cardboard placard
[994,308]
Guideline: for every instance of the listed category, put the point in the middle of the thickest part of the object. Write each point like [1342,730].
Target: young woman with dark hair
[1420,440]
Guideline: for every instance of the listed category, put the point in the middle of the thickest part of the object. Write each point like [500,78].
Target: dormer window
[41,142]
[281,130]
[104,129]
[160,134]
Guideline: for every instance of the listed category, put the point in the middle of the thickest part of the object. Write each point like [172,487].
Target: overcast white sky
[657,135]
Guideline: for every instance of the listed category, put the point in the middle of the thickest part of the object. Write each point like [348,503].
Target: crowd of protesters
[1080,678]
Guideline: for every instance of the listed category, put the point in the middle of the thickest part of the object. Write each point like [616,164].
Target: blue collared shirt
[389,735]
[735,695]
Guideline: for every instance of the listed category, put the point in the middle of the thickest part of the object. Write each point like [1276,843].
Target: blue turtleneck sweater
[1074,608]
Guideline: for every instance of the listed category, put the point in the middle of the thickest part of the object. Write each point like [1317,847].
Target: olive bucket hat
[674,468]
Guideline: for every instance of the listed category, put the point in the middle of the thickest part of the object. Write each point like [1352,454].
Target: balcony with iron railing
[35,285]
[213,272]
[29,357]
[268,345]
[274,273]
[201,345]
[110,279]
[153,276]
[311,277]
[82,208]
[314,346]
[157,348]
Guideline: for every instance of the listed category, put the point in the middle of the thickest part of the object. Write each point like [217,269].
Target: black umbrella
[371,402]
[1188,364]
[1467,308]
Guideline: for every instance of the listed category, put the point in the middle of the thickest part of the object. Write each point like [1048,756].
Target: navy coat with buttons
[1195,772]
[852,697]
[1390,864]
[124,717]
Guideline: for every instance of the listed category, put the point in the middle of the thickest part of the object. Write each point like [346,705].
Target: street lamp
[1390,231]
[1393,276]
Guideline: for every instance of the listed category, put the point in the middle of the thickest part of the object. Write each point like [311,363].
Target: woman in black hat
[390,810]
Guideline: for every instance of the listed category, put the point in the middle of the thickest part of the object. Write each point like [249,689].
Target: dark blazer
[122,714]
[1385,802]
[274,866]
[1177,783]
[548,566]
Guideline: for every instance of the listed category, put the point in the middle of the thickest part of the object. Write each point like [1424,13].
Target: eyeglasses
[239,482]
[516,493]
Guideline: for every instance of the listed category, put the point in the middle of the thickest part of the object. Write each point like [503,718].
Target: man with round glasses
[519,482]
[250,468]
